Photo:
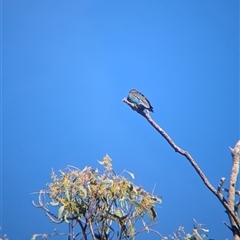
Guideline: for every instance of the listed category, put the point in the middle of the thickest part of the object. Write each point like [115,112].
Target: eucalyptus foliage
[199,232]
[98,206]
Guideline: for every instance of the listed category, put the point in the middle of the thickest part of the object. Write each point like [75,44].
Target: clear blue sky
[66,65]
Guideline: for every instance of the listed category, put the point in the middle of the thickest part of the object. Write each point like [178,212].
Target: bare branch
[218,194]
[175,147]
[232,187]
[82,229]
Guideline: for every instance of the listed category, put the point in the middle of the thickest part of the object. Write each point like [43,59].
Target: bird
[139,100]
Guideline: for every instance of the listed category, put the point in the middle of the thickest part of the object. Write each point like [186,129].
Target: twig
[82,229]
[91,230]
[52,217]
[221,184]
[227,226]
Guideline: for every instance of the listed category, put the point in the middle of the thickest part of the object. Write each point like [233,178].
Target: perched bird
[139,100]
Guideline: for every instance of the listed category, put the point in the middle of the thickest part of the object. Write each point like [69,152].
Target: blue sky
[66,66]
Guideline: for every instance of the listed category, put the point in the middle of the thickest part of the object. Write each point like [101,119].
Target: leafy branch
[102,205]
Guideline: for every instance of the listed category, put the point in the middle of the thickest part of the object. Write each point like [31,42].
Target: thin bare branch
[229,227]
[82,229]
[218,194]
[174,146]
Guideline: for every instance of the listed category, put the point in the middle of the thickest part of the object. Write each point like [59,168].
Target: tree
[107,206]
[231,206]
[97,206]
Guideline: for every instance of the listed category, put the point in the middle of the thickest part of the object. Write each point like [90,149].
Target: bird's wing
[142,99]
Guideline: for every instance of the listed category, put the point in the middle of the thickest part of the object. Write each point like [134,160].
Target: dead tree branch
[232,189]
[228,205]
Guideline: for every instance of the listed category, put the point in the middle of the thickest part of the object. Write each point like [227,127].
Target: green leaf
[157,199]
[152,214]
[118,213]
[136,204]
[126,205]
[107,181]
[145,226]
[130,187]
[34,236]
[131,229]
[131,174]
[122,199]
[101,162]
[54,203]
[60,212]
[83,190]
[65,218]
[67,194]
